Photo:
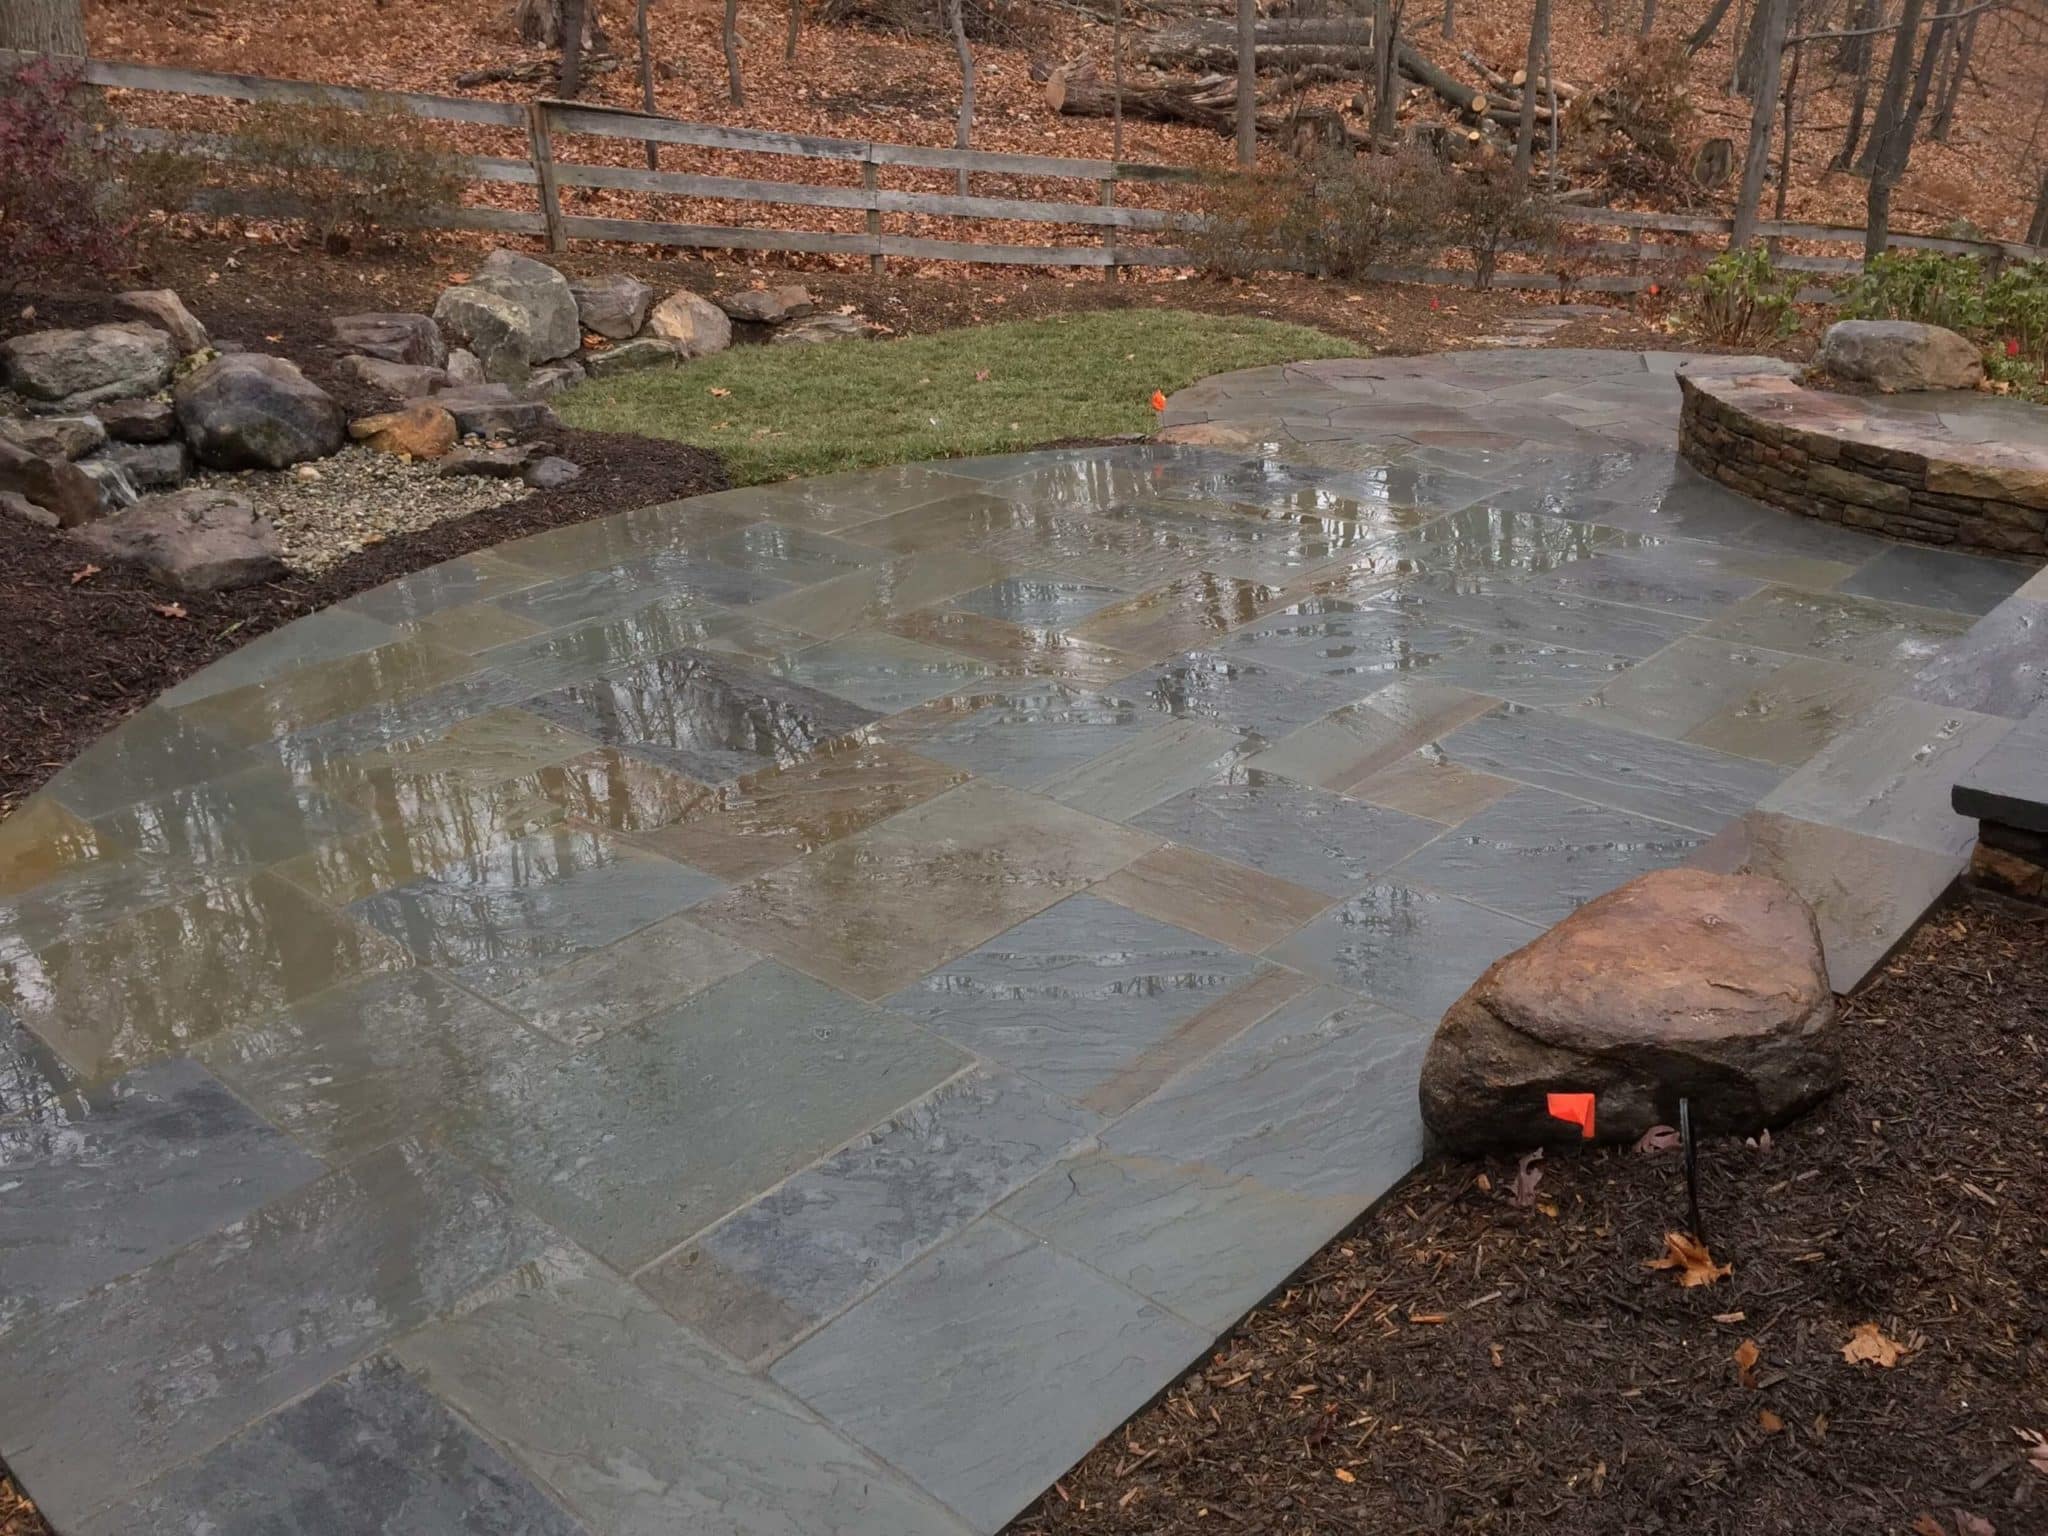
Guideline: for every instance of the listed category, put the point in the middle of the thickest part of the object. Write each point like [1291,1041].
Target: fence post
[870,179]
[544,166]
[1110,273]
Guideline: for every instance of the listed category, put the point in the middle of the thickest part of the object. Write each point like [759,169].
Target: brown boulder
[1894,355]
[198,540]
[768,306]
[1681,984]
[60,488]
[162,308]
[422,430]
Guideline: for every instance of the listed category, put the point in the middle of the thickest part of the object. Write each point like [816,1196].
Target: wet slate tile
[765,819]
[446,828]
[1858,630]
[312,695]
[1318,1100]
[472,578]
[1038,602]
[624,982]
[1999,668]
[644,1428]
[988,1368]
[874,911]
[1539,856]
[671,531]
[1412,949]
[557,658]
[1313,838]
[1866,892]
[97,1187]
[2009,783]
[1938,578]
[1354,743]
[1542,618]
[1672,781]
[324,636]
[799,556]
[1071,997]
[1526,672]
[171,975]
[1426,783]
[1682,687]
[524,907]
[243,821]
[702,715]
[805,1251]
[472,628]
[1193,1039]
[874,594]
[1016,650]
[600,592]
[1182,615]
[1250,697]
[618,792]
[370,1450]
[1341,637]
[664,1126]
[880,671]
[155,1368]
[34,1082]
[40,840]
[1890,775]
[153,752]
[1645,578]
[1484,538]
[1156,764]
[1027,737]
[1795,711]
[1220,900]
[401,781]
[359,1067]
[1201,1242]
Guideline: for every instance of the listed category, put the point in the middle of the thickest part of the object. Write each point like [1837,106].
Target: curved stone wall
[1971,475]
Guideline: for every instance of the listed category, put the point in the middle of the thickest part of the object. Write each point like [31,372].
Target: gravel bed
[327,510]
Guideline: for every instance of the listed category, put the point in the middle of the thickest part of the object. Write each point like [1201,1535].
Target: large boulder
[197,540]
[412,339]
[75,369]
[58,486]
[768,306]
[162,308]
[252,411]
[1681,984]
[631,356]
[492,410]
[54,437]
[696,326]
[1894,355]
[514,312]
[614,307]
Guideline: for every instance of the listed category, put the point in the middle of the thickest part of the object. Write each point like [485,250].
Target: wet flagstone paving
[799,1010]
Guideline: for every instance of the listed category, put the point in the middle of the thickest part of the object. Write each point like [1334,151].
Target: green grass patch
[773,412]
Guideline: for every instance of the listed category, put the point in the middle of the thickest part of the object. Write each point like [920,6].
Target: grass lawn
[773,412]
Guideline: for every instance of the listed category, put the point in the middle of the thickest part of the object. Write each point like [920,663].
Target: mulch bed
[79,655]
[1463,1362]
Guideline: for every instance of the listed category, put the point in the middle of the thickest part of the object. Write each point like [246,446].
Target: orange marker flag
[1575,1109]
[1158,399]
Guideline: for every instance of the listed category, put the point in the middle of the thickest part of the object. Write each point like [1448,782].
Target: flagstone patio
[799,1010]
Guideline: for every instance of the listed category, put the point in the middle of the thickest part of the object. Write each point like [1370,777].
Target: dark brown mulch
[1461,1363]
[78,656]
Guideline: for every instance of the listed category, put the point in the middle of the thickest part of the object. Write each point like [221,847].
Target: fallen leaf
[981,375]
[1483,1184]
[1689,1256]
[1658,1138]
[1493,1352]
[84,573]
[1968,1524]
[1869,1344]
[171,610]
[2037,1449]
[1770,1421]
[1746,1357]
[1927,1525]
[1527,1177]
[718,392]
[1431,1318]
[1345,1477]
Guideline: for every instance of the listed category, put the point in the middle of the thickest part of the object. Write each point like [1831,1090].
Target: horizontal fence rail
[540,123]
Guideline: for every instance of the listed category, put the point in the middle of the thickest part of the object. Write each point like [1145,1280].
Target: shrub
[1919,285]
[342,170]
[1336,215]
[1486,211]
[1244,224]
[2016,310]
[1742,297]
[1638,117]
[59,207]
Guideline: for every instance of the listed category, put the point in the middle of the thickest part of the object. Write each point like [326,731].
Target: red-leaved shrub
[60,205]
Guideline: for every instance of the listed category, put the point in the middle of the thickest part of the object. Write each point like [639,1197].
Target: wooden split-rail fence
[1115,234]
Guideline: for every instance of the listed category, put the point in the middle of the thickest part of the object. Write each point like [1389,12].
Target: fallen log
[1076,90]
[1213,45]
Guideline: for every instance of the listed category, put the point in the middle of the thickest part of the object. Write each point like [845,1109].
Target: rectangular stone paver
[644,1430]
[1156,764]
[1227,902]
[1796,711]
[1028,737]
[370,1451]
[803,1252]
[622,983]
[663,1127]
[1073,996]
[880,671]
[1310,837]
[1859,630]
[989,1367]
[155,1368]
[98,1187]
[873,912]
[1350,745]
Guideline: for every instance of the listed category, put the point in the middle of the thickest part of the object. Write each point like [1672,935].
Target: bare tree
[43,26]
[1857,52]
[1525,131]
[1892,135]
[1649,18]
[963,130]
[729,39]
[646,77]
[1785,135]
[1776,19]
[1703,34]
[1386,33]
[1450,18]
[2037,227]
[1247,82]
[572,48]
[1952,88]
[790,31]
[1898,77]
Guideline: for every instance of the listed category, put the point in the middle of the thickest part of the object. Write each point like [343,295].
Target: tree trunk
[1898,77]
[1247,82]
[1891,136]
[1965,42]
[646,78]
[1075,90]
[1116,66]
[1704,33]
[1868,14]
[572,49]
[1939,34]
[963,129]
[1649,18]
[1385,69]
[792,31]
[1749,65]
[1775,16]
[1525,133]
[2037,228]
[43,26]
[1785,136]
[729,39]
[1450,18]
